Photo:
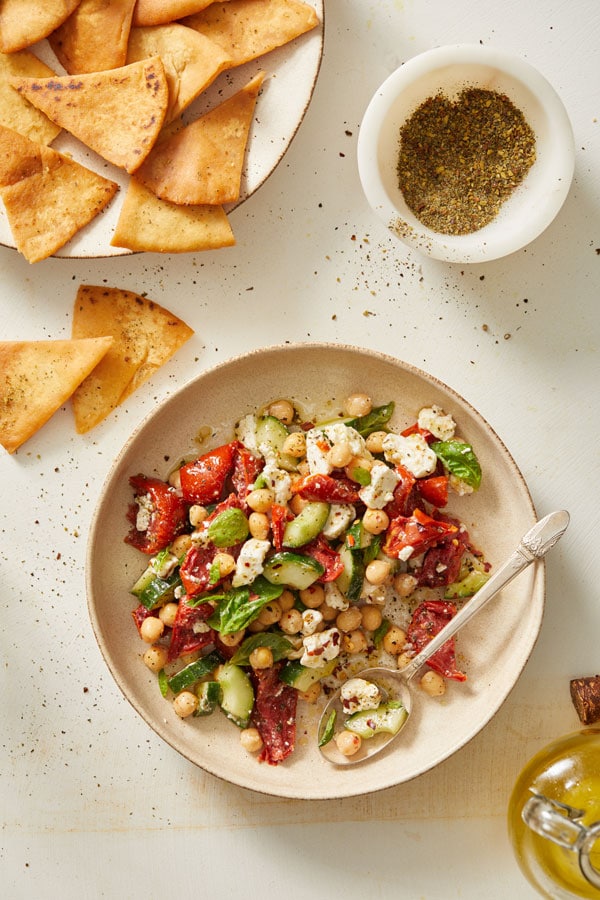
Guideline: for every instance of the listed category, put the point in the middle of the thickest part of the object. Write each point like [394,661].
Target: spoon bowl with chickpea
[367,712]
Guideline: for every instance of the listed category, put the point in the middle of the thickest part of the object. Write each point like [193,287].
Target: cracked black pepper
[460,160]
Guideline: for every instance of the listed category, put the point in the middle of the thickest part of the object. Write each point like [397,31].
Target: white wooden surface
[92,804]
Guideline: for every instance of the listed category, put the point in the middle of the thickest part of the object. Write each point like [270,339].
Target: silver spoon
[394,684]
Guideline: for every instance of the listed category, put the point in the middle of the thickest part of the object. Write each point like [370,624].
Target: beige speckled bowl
[493,648]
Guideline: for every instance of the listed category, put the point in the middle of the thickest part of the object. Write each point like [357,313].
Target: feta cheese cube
[311,619]
[413,452]
[250,562]
[321,647]
[380,491]
[144,511]
[334,597]
[358,694]
[319,441]
[279,481]
[433,419]
[341,516]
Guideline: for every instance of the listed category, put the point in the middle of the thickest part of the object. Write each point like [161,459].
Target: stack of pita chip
[119,339]
[132,69]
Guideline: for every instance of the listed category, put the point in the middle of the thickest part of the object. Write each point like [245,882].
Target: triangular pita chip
[147,223]
[191,61]
[36,377]
[118,113]
[159,12]
[203,162]
[145,336]
[48,196]
[23,24]
[246,29]
[15,111]
[94,37]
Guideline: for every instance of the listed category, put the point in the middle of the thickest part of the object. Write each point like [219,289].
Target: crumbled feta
[413,452]
[311,619]
[164,564]
[358,694]
[319,442]
[245,432]
[200,628]
[380,491]
[433,419]
[405,553]
[459,486]
[341,516]
[144,513]
[250,562]
[278,481]
[321,647]
[334,597]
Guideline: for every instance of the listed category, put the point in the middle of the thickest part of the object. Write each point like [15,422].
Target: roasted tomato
[274,714]
[160,509]
[279,516]
[246,468]
[434,489]
[321,550]
[203,481]
[405,495]
[326,489]
[418,531]
[428,619]
[190,631]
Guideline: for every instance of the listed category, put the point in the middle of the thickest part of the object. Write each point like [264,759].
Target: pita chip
[118,113]
[191,61]
[246,29]
[23,24]
[145,336]
[147,223]
[94,37]
[48,196]
[36,378]
[159,12]
[203,162]
[15,111]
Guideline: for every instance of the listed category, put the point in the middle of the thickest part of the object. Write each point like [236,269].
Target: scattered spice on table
[460,160]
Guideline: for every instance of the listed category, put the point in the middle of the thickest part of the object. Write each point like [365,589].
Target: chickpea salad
[283,561]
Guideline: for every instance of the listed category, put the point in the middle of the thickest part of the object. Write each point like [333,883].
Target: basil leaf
[380,633]
[373,421]
[228,528]
[242,605]
[277,643]
[460,460]
[327,733]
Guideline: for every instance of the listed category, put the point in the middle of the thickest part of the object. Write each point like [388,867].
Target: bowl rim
[485,244]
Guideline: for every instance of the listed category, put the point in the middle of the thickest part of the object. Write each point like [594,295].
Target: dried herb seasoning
[459,160]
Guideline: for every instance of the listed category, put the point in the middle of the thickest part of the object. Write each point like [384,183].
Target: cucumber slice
[292,570]
[357,537]
[193,672]
[209,697]
[237,694]
[388,717]
[307,525]
[301,677]
[350,581]
[153,591]
[271,433]
[468,586]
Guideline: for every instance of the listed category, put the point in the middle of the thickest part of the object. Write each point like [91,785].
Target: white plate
[291,72]
[493,648]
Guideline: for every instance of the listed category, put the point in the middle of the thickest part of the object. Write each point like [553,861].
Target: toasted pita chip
[246,29]
[15,111]
[145,336]
[48,196]
[203,162]
[157,226]
[23,24]
[36,377]
[94,37]
[118,113]
[160,12]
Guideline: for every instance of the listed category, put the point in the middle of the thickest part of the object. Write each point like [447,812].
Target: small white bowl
[448,70]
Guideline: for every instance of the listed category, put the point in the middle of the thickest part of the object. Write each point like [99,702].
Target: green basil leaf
[380,633]
[276,642]
[376,420]
[242,605]
[230,527]
[327,732]
[460,460]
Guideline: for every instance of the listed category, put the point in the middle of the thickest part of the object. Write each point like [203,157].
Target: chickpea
[358,405]
[185,704]
[349,619]
[291,621]
[251,740]
[297,504]
[270,614]
[295,445]
[225,562]
[286,600]
[375,521]
[378,571]
[282,410]
[340,454]
[404,584]
[151,629]
[348,743]
[233,639]
[329,613]
[261,658]
[313,596]
[197,515]
[174,479]
[394,640]
[403,659]
[168,613]
[374,442]
[259,525]
[354,641]
[311,694]
[181,545]
[372,618]
[261,500]
[156,658]
[433,684]
[255,627]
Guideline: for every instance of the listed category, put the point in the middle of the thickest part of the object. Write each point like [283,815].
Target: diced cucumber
[271,432]
[357,537]
[350,581]
[388,717]
[309,522]
[153,591]
[292,570]
[209,697]
[237,694]
[194,672]
[301,677]
[468,586]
